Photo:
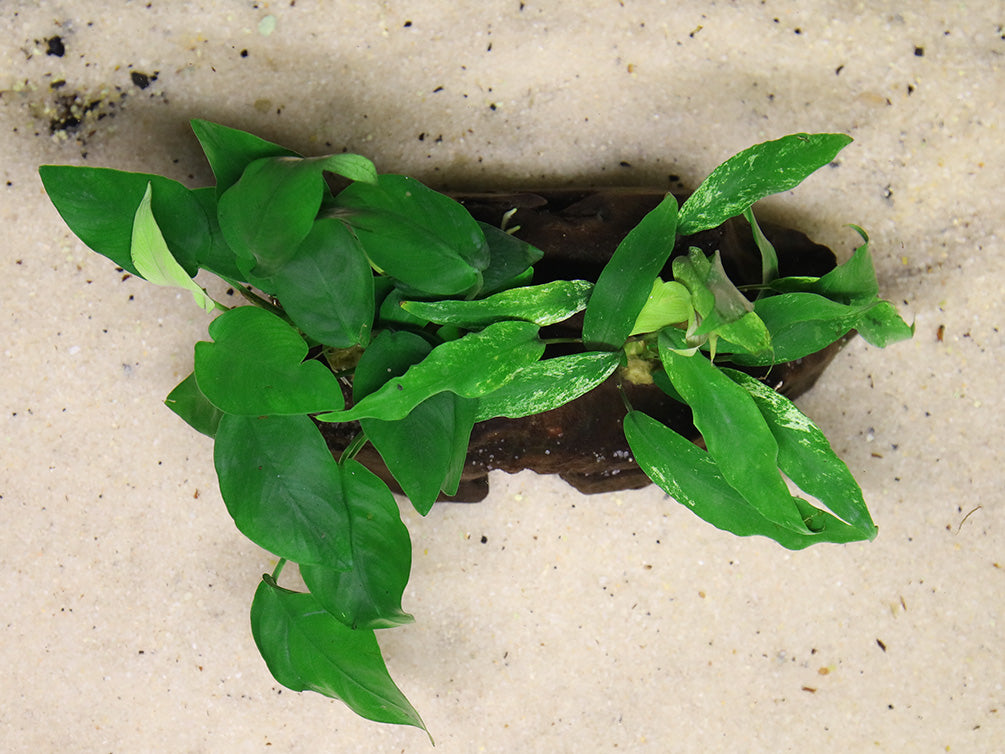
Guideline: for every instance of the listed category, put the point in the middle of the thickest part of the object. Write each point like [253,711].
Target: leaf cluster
[380,301]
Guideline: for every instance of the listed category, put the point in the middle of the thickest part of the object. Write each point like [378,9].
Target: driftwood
[583,441]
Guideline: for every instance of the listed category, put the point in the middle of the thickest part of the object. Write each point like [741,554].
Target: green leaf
[153,260]
[509,258]
[271,209]
[626,281]
[191,405]
[690,476]
[471,366]
[327,287]
[283,489]
[853,282]
[306,648]
[543,305]
[229,151]
[801,324]
[423,239]
[546,385]
[735,433]
[99,206]
[806,457]
[754,173]
[368,595]
[424,450]
[216,256]
[255,366]
[880,325]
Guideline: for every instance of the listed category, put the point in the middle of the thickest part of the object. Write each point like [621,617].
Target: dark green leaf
[509,258]
[545,385]
[806,457]
[690,476]
[367,596]
[425,450]
[191,405]
[306,648]
[216,256]
[853,282]
[627,279]
[255,366]
[801,324]
[229,151]
[99,205]
[736,435]
[327,287]
[543,305]
[421,238]
[283,489]
[471,366]
[271,209]
[754,173]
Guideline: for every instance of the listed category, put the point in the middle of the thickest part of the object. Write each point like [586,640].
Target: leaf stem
[354,447]
[278,569]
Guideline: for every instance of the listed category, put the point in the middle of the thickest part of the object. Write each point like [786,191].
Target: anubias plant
[430,320]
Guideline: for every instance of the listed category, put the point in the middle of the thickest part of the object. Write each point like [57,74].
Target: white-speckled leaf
[759,171]
[471,366]
[545,385]
[806,457]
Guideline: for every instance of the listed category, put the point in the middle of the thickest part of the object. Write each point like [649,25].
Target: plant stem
[353,447]
[279,569]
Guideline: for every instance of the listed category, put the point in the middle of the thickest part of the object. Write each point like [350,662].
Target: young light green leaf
[471,366]
[283,488]
[769,258]
[425,450]
[690,476]
[509,258]
[153,260]
[668,304]
[306,648]
[99,206]
[806,457]
[192,406]
[626,281]
[543,305]
[549,384]
[423,239]
[367,596]
[735,433]
[255,366]
[754,173]
[327,286]
[229,151]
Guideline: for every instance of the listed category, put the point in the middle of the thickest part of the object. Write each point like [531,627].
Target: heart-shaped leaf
[327,287]
[306,648]
[229,151]
[283,489]
[423,239]
[368,595]
[255,366]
